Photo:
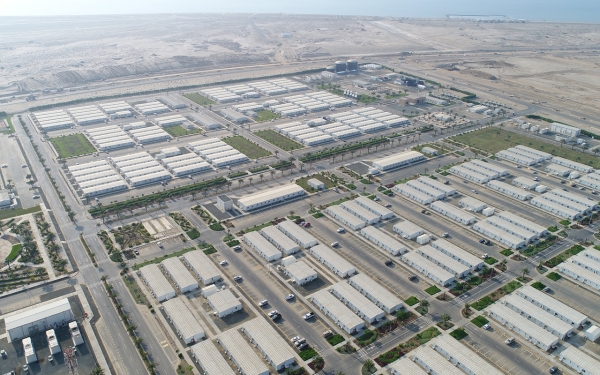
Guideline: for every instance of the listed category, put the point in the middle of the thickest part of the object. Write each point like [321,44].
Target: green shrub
[412,300]
[538,285]
[307,353]
[193,234]
[482,303]
[433,290]
[216,227]
[335,339]
[479,321]
[490,260]
[507,252]
[459,333]
[554,276]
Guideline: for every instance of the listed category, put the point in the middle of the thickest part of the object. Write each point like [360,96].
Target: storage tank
[340,66]
[352,65]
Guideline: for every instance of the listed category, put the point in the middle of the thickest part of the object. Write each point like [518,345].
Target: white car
[263,303]
[4,165]
[309,315]
[289,297]
[295,339]
[486,326]
[341,230]
[334,244]
[237,278]
[273,313]
[223,262]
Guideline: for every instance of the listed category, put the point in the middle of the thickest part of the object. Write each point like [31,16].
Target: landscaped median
[404,348]
[179,253]
[496,295]
[555,261]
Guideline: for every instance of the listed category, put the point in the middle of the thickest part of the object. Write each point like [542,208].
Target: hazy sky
[572,10]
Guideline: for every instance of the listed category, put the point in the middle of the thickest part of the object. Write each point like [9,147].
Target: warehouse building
[569,131]
[558,170]
[537,229]
[87,115]
[109,137]
[209,359]
[182,278]
[341,315]
[456,253]
[432,361]
[379,295]
[555,208]
[475,168]
[280,240]
[205,121]
[499,235]
[525,183]
[262,246]
[151,108]
[591,180]
[233,115]
[472,204]
[300,272]
[241,353]
[404,366]
[224,303]
[520,325]
[51,120]
[383,240]
[426,189]
[453,212]
[408,229]
[583,275]
[270,197]
[38,318]
[446,262]
[134,125]
[202,266]
[140,169]
[428,268]
[331,259]
[533,152]
[172,102]
[400,160]
[345,217]
[375,208]
[166,121]
[157,282]
[468,174]
[413,194]
[461,356]
[360,212]
[537,315]
[274,349]
[186,165]
[510,190]
[526,159]
[579,361]
[576,198]
[149,134]
[511,228]
[114,107]
[357,302]
[297,234]
[490,167]
[186,325]
[447,190]
[555,307]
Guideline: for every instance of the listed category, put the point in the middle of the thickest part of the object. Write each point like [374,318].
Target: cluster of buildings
[564,204]
[181,165]
[312,102]
[217,152]
[424,190]
[510,229]
[151,108]
[144,134]
[310,136]
[109,137]
[583,267]
[271,197]
[524,155]
[369,119]
[478,171]
[140,169]
[87,115]
[396,161]
[238,92]
[358,213]
[95,178]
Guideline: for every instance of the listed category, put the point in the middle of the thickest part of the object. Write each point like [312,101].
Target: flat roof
[210,359]
[466,257]
[388,241]
[333,258]
[269,194]
[182,318]
[589,364]
[578,198]
[156,280]
[531,329]
[223,300]
[36,313]
[179,273]
[444,259]
[520,305]
[428,265]
[437,185]
[405,365]
[455,211]
[398,158]
[511,228]
[243,354]
[376,291]
[359,211]
[337,308]
[533,151]
[464,355]
[345,215]
[512,239]
[424,188]
[555,206]
[525,181]
[281,240]
[257,240]
[435,362]
[300,270]
[356,299]
[269,341]
[373,207]
[558,168]
[471,202]
[407,189]
[297,233]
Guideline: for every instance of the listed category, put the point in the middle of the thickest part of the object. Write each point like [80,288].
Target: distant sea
[535,10]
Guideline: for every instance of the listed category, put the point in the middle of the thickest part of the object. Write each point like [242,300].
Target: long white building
[180,275]
[224,303]
[501,171]
[358,303]
[432,361]
[581,274]
[453,212]
[297,234]
[280,240]
[241,353]
[384,241]
[557,308]
[510,190]
[201,265]
[331,259]
[374,207]
[428,268]
[345,217]
[408,229]
[444,261]
[461,356]
[468,174]
[414,194]
[187,327]
[341,315]
[539,316]
[398,160]
[157,283]
[360,212]
[378,294]
[270,197]
[426,189]
[456,253]
[499,235]
[300,272]
[210,360]
[447,190]
[274,349]
[550,205]
[262,246]
[537,229]
[579,361]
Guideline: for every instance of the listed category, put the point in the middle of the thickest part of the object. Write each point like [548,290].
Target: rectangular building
[180,275]
[413,194]
[384,241]
[472,204]
[280,240]
[569,131]
[224,303]
[580,361]
[270,197]
[186,325]
[345,217]
[501,171]
[408,229]
[555,208]
[432,361]
[378,294]
[558,170]
[331,259]
[525,183]
[374,207]
[262,246]
[37,318]
[462,357]
[533,152]
[399,160]
[583,275]
[511,228]
[456,253]
[210,360]
[554,306]
[297,234]
[447,190]
[428,268]
[157,283]
[444,261]
[426,189]
[337,311]
[300,272]
[405,366]
[453,212]
[468,174]
[360,212]
[274,349]
[537,229]
[241,353]
[357,302]
[510,190]
[499,235]
[539,316]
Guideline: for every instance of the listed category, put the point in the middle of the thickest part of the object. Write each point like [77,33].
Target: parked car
[136,252]
[335,244]
[276,316]
[546,290]
[509,340]
[237,278]
[223,262]
[388,205]
[327,334]
[289,297]
[445,235]
[295,339]
[413,278]
[341,230]
[273,313]
[389,262]
[263,303]
[484,256]
[309,315]
[302,346]
[486,326]
[553,369]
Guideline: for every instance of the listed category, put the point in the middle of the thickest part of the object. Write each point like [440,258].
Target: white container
[592,333]
[488,211]
[541,188]
[423,239]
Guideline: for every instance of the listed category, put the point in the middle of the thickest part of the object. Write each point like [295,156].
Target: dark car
[412,277]
[389,262]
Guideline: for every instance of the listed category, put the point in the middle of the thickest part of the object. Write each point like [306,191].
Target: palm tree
[240,181]
[276,153]
[445,319]
[272,172]
[229,183]
[369,365]
[250,179]
[524,271]
[424,304]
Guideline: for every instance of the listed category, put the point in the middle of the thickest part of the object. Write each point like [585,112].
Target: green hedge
[193,234]
[480,321]
[342,149]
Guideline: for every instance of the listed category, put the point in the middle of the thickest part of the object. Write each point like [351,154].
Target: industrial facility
[38,319]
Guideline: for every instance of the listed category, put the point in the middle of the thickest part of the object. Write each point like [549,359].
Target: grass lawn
[494,139]
[198,99]
[459,333]
[72,145]
[393,96]
[278,140]
[412,300]
[425,336]
[554,276]
[251,150]
[335,339]
[482,303]
[507,252]
[512,286]
[490,260]
[433,290]
[7,214]
[307,354]
[537,285]
[303,182]
[266,115]
[180,131]
[11,128]
[193,234]
[135,290]
[160,259]
[14,252]
[480,321]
